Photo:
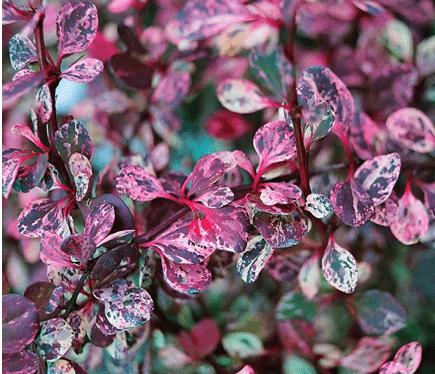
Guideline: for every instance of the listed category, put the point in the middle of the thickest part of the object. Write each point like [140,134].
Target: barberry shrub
[218,186]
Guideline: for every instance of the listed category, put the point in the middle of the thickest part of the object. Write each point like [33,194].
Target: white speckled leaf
[279,193]
[54,339]
[409,355]
[339,267]
[241,96]
[253,259]
[216,197]
[61,367]
[318,205]
[44,106]
[309,277]
[114,291]
[379,175]
[81,170]
[21,51]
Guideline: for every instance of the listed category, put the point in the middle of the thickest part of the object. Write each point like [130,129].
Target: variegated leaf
[61,367]
[21,51]
[79,320]
[286,267]
[279,230]
[352,203]
[392,367]
[385,213]
[72,137]
[225,228]
[319,118]
[11,162]
[241,96]
[175,244]
[411,221]
[27,132]
[330,89]
[318,205]
[207,170]
[99,222]
[79,246]
[274,142]
[20,322]
[76,27]
[216,197]
[20,362]
[67,277]
[51,253]
[429,196]
[413,129]
[253,259]
[309,277]
[279,193]
[44,106]
[255,204]
[379,175]
[85,70]
[409,355]
[81,170]
[114,291]
[30,220]
[379,313]
[21,85]
[132,310]
[172,88]
[54,339]
[339,267]
[367,356]
[186,278]
[139,184]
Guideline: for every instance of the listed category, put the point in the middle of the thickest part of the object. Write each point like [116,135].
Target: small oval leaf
[55,339]
[409,355]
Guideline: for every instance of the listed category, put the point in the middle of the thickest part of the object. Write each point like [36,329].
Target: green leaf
[398,40]
[243,344]
[296,365]
[295,305]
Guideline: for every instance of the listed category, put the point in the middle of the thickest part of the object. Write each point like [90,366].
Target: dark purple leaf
[30,221]
[216,197]
[274,142]
[329,88]
[54,339]
[225,228]
[429,196]
[11,162]
[72,137]
[130,39]
[282,231]
[318,205]
[41,293]
[413,129]
[132,310]
[378,176]
[369,6]
[253,259]
[385,213]
[85,70]
[172,182]
[139,184]
[279,193]
[367,356]
[339,267]
[99,334]
[115,264]
[352,203]
[79,320]
[411,221]
[207,170]
[51,253]
[79,246]
[201,19]
[409,355]
[379,313]
[21,52]
[20,362]
[241,96]
[81,170]
[186,278]
[272,70]
[20,322]
[76,27]
[172,88]
[44,106]
[21,85]
[176,245]
[131,71]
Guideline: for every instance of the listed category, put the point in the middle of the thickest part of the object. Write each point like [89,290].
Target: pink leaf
[172,88]
[274,142]
[369,6]
[51,254]
[352,203]
[429,196]
[309,277]
[241,96]
[216,197]
[207,170]
[255,203]
[226,125]
[186,278]
[99,222]
[139,184]
[76,27]
[80,246]
[225,228]
[385,213]
[409,355]
[81,170]
[329,88]
[175,244]
[411,221]
[378,176]
[339,267]
[234,159]
[11,162]
[85,70]
[392,367]
[413,129]
[21,85]
[44,106]
[368,355]
[25,131]
[280,193]
[10,14]
[246,370]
